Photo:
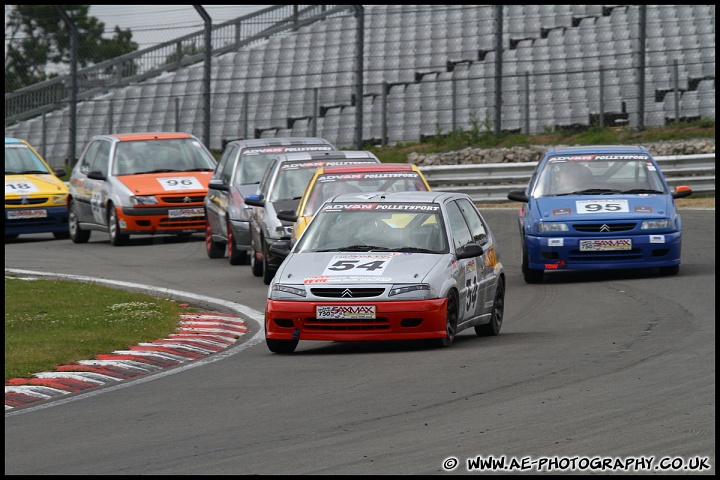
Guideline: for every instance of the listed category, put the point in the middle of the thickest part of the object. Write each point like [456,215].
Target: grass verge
[56,322]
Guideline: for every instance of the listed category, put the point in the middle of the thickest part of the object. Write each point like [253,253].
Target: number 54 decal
[472,294]
[357,264]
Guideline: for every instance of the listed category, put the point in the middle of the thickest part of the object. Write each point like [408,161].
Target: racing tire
[268,271]
[213,249]
[255,265]
[235,256]
[531,275]
[451,320]
[117,238]
[671,270]
[496,318]
[77,234]
[281,346]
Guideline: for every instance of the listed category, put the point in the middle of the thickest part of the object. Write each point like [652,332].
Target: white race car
[388,266]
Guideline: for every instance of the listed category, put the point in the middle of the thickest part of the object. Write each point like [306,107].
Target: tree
[38,43]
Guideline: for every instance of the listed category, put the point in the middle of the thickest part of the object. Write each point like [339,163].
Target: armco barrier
[490,182]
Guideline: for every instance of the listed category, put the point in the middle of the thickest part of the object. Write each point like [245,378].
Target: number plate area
[23,214]
[186,212]
[605,245]
[345,312]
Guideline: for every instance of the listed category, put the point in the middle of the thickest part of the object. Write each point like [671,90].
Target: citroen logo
[347,293]
[187,200]
[605,228]
[24,200]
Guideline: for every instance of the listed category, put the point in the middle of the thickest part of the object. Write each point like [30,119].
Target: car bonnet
[164,183]
[587,207]
[30,185]
[390,267]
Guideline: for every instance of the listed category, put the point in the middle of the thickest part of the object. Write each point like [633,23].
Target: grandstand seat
[706,97]
[690,105]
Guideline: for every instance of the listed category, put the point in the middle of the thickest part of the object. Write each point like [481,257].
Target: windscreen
[20,159]
[594,174]
[375,227]
[161,155]
[329,185]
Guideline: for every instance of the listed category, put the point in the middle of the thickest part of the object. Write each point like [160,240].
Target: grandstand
[428,70]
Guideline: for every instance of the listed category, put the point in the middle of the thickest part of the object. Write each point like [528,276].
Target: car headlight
[418,291]
[241,213]
[284,231]
[655,224]
[143,200]
[281,291]
[552,227]
[59,199]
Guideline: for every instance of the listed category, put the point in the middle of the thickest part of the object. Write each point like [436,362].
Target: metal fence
[490,183]
[427,70]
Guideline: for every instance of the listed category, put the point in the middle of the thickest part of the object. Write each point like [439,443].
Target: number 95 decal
[601,206]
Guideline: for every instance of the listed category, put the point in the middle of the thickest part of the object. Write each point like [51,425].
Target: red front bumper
[401,320]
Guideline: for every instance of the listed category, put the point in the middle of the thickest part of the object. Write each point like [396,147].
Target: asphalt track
[610,366]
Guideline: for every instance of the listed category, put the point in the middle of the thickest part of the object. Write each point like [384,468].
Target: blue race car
[598,207]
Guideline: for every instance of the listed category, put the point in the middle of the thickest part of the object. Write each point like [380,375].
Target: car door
[98,183]
[218,200]
[486,269]
[470,270]
[84,188]
[257,219]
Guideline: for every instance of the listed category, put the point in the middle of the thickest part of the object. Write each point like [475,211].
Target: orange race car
[139,183]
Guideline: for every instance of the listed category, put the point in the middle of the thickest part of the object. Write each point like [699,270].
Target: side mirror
[281,248]
[254,200]
[517,196]
[682,191]
[60,171]
[469,251]
[218,184]
[96,175]
[287,216]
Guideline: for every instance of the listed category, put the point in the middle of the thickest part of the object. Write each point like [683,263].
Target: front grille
[182,223]
[577,255]
[335,325]
[608,227]
[27,201]
[184,199]
[327,292]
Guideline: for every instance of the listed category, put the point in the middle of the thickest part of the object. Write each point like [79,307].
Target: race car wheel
[281,346]
[255,265]
[235,256]
[498,311]
[77,235]
[531,275]
[451,319]
[213,249]
[117,238]
[268,271]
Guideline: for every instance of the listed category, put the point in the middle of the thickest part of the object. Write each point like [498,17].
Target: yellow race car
[35,197]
